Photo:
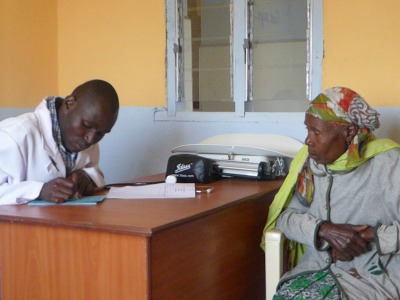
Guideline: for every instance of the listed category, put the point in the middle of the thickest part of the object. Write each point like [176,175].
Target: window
[243,55]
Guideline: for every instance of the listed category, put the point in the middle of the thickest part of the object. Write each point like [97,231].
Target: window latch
[177,48]
[246,47]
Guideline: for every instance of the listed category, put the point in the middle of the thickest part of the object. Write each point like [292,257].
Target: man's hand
[57,190]
[344,239]
[82,182]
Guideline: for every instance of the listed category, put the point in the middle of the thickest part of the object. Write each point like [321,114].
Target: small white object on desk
[204,189]
[170,179]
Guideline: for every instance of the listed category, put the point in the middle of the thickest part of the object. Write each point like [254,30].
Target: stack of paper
[161,190]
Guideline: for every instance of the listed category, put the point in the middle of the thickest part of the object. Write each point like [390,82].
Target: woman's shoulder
[389,155]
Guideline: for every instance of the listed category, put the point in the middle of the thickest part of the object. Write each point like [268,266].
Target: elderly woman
[341,201]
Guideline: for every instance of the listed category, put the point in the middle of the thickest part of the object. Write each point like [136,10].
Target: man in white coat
[52,153]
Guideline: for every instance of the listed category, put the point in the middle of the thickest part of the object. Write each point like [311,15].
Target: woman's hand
[345,240]
[368,234]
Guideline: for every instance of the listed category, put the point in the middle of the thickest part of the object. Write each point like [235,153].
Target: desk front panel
[214,257]
[53,263]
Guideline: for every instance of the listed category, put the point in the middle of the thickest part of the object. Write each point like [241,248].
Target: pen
[54,163]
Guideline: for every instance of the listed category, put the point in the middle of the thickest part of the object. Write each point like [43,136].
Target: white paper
[160,190]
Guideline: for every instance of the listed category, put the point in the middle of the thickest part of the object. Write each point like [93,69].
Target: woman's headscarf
[338,105]
[341,105]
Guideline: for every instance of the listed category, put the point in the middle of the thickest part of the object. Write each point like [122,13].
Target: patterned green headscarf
[344,106]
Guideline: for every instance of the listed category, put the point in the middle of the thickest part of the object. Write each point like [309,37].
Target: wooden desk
[201,248]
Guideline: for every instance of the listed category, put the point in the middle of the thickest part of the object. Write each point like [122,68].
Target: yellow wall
[50,46]
[362,47]
[28,51]
[120,41]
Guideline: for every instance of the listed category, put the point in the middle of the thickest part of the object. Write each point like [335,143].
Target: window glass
[206,55]
[279,55]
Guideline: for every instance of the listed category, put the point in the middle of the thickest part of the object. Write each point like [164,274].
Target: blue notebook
[89,200]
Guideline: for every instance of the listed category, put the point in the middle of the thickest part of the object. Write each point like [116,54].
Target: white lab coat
[29,157]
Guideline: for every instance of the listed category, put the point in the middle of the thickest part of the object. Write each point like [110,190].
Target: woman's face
[326,141]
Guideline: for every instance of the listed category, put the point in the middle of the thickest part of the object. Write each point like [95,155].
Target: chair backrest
[274,260]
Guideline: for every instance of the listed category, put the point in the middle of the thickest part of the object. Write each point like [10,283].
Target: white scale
[261,156]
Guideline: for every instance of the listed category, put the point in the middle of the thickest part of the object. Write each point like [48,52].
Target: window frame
[240,12]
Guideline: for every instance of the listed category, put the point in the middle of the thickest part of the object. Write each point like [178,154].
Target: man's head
[88,114]
[338,120]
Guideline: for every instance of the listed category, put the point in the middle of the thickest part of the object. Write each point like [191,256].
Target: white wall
[141,140]
[140,146]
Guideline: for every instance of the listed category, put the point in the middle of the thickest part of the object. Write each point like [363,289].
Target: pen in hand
[76,194]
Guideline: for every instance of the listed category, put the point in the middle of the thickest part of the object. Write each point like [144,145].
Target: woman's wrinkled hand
[368,234]
[345,240]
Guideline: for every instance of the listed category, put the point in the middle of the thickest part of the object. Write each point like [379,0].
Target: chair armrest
[274,255]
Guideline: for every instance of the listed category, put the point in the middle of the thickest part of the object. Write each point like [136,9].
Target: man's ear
[69,102]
